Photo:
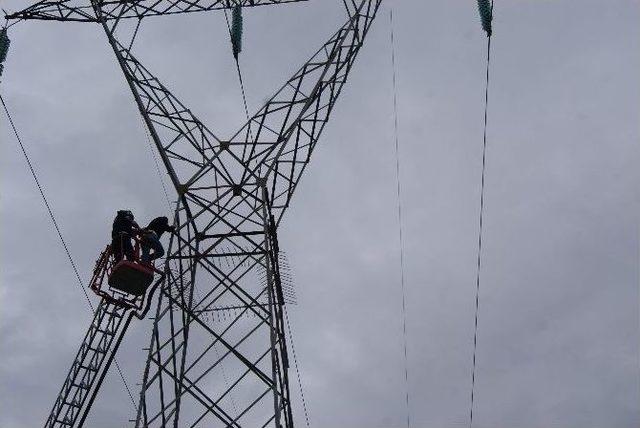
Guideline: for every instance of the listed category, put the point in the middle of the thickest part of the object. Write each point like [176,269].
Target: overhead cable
[486,13]
[57,228]
[400,234]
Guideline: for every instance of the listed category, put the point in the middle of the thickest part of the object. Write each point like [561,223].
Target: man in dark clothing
[151,239]
[124,226]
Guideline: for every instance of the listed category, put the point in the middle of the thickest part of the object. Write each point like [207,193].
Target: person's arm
[166,227]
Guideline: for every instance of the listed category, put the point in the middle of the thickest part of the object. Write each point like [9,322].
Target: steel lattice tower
[217,354]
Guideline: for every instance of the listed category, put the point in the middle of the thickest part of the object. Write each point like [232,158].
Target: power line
[400,235]
[482,186]
[57,227]
[295,363]
[46,203]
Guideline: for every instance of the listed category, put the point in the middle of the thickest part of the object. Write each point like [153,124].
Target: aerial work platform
[131,278]
[126,293]
[127,281]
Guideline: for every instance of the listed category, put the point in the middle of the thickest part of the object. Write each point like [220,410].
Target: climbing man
[151,239]
[124,227]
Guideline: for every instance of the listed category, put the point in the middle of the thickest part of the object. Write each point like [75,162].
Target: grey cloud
[558,333]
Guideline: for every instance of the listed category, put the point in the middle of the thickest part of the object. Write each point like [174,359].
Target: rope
[295,363]
[400,234]
[57,227]
[479,264]
[157,164]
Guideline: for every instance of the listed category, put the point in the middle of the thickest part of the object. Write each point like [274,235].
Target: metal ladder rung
[98,350]
[114,314]
[89,368]
[73,404]
[81,386]
[91,359]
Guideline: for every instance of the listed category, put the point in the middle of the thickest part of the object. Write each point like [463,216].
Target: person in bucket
[124,227]
[150,244]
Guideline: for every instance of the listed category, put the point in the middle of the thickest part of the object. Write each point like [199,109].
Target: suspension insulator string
[485,9]
[236,30]
[486,15]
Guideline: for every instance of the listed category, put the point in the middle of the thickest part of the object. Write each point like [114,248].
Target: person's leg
[128,248]
[144,246]
[156,245]
[116,250]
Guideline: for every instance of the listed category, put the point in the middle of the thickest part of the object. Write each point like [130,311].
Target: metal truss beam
[278,141]
[224,256]
[275,145]
[83,11]
[233,193]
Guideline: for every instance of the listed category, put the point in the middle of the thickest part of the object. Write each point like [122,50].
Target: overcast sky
[559,335]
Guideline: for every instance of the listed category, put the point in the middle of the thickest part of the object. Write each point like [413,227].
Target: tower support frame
[217,352]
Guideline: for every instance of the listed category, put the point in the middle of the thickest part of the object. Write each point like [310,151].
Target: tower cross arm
[277,142]
[82,10]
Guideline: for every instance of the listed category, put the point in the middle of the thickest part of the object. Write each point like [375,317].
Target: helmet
[125,214]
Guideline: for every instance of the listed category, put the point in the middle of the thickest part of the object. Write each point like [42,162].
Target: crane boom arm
[90,365]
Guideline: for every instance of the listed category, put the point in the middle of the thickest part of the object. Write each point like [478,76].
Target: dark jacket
[123,223]
[160,225]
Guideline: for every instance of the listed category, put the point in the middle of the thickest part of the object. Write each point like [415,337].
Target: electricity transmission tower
[217,353]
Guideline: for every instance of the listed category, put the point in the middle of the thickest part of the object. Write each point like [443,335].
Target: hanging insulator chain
[486,15]
[4,47]
[236,30]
